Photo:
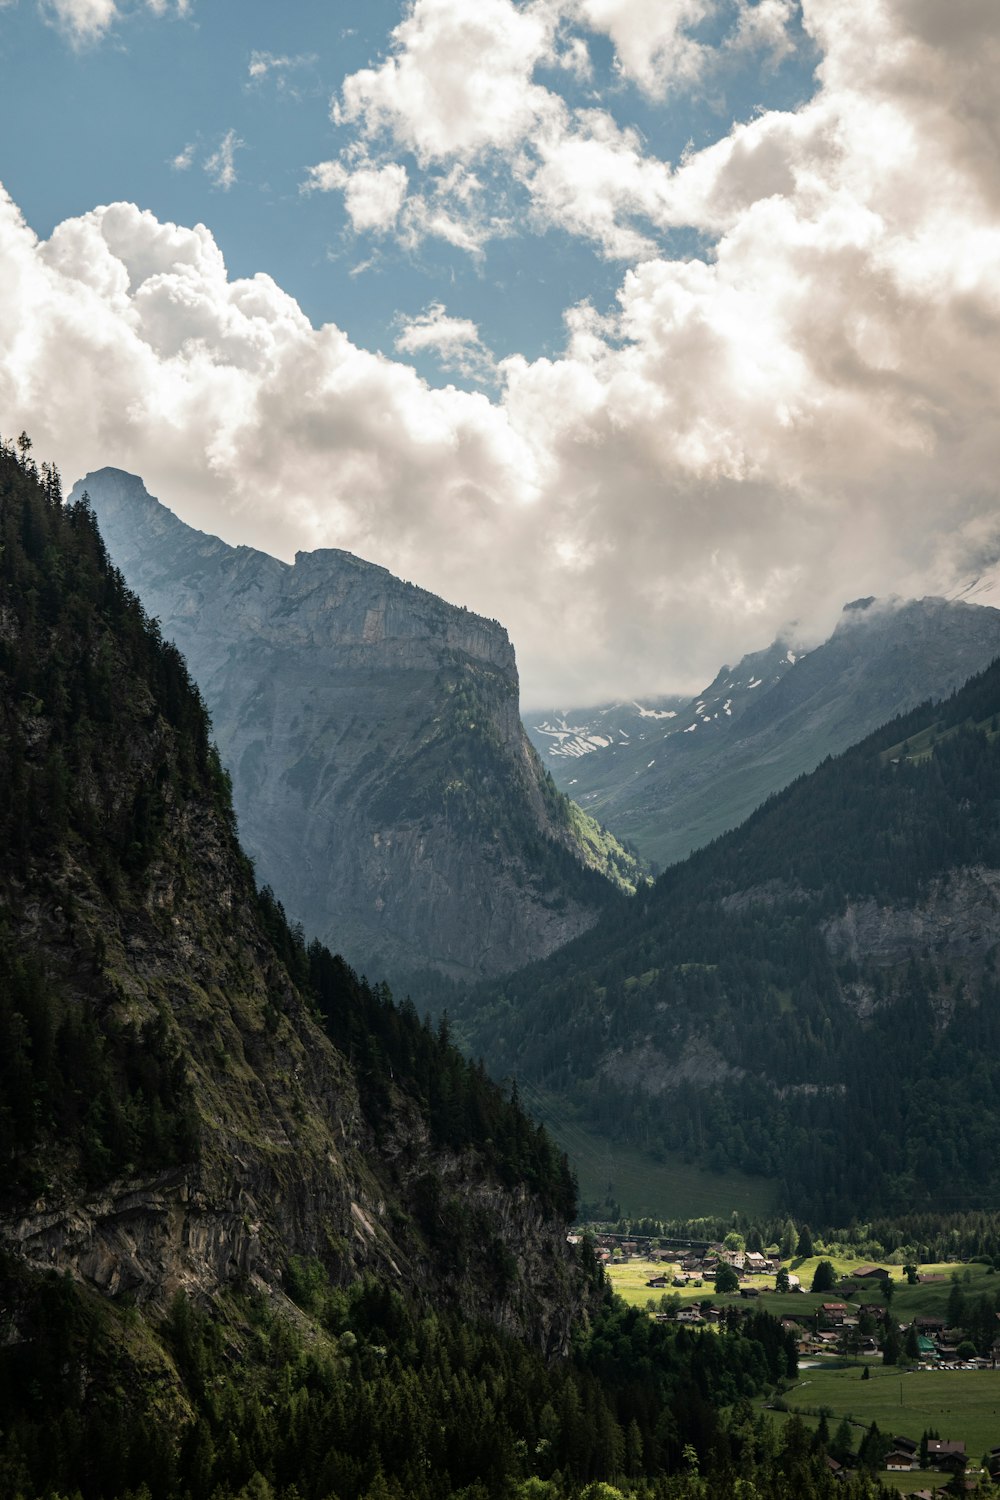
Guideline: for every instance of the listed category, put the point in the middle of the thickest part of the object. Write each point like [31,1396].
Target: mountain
[814,997]
[381,776]
[264,1235]
[174,1113]
[671,784]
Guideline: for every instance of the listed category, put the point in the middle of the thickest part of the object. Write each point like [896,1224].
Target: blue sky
[112,112]
[652,328]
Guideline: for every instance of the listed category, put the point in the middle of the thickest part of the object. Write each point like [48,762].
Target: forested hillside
[813,997]
[263,1233]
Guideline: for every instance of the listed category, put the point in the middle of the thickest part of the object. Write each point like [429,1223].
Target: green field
[908,1302]
[963,1405]
[669,1188]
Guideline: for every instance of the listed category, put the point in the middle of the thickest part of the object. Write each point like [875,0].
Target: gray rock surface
[382,779]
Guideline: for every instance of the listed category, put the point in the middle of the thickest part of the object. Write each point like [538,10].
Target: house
[689,1315]
[870,1273]
[945,1452]
[899,1462]
[930,1326]
[833,1313]
[757,1264]
[658,1281]
[905,1445]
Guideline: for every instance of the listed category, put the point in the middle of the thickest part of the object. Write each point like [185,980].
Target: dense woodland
[392,1403]
[857,1087]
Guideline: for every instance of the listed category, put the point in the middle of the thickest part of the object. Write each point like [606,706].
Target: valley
[249,1188]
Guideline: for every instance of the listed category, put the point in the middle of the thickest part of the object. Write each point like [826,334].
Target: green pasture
[908,1302]
[664,1188]
[962,1405]
[644,1186]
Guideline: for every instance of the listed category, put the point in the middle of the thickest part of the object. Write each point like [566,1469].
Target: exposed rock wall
[381,776]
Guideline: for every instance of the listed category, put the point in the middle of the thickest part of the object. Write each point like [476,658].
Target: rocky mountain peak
[381,776]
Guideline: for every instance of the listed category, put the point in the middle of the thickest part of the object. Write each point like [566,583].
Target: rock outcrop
[381,776]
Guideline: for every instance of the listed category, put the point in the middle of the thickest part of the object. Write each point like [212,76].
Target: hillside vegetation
[812,998]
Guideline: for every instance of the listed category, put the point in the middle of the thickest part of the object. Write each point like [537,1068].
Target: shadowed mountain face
[381,776]
[670,777]
[172,1113]
[812,997]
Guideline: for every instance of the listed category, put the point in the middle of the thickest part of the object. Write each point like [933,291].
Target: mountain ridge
[381,775]
[777,714]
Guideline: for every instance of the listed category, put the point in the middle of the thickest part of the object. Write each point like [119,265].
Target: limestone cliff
[381,776]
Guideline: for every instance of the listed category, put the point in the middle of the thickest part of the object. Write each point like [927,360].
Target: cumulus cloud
[458,90]
[459,79]
[455,342]
[653,39]
[810,414]
[373,195]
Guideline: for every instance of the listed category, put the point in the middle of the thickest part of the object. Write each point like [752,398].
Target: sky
[652,328]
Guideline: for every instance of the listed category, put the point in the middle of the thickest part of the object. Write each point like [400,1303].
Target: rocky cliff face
[173,1114]
[381,776]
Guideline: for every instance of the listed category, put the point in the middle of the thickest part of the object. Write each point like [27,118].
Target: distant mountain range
[381,776]
[670,775]
[813,998]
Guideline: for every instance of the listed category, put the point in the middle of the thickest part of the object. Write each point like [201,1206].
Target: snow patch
[654,713]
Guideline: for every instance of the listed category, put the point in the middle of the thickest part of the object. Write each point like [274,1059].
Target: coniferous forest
[743,1013]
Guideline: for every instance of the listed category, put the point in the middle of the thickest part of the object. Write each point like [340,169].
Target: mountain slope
[675,784]
[812,997]
[381,776]
[263,1234]
[173,1114]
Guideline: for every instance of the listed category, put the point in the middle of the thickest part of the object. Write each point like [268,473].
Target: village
[851,1322]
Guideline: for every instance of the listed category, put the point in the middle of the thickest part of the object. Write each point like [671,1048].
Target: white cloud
[82,20]
[455,342]
[221,165]
[653,42]
[458,80]
[184,158]
[764,26]
[373,195]
[811,414]
[278,68]
[594,180]
[86,21]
